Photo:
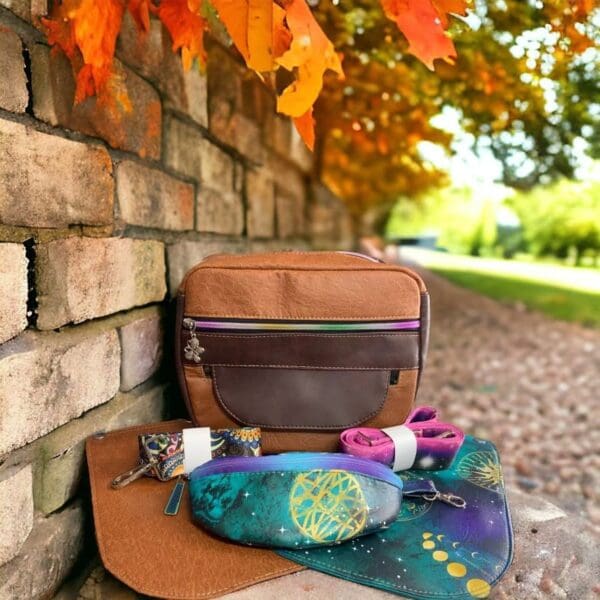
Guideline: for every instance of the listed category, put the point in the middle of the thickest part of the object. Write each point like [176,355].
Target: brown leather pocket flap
[300,398]
[315,351]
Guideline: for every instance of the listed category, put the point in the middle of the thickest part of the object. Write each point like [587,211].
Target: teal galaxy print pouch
[295,500]
[433,550]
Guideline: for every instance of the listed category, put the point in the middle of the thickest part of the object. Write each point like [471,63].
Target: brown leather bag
[301,344]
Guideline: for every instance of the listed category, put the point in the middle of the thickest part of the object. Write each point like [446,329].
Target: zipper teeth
[409,325]
[344,462]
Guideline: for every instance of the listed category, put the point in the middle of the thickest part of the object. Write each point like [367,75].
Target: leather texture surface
[159,555]
[300,399]
[301,388]
[206,411]
[289,285]
[375,350]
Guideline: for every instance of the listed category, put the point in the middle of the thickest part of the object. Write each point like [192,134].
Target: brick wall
[102,210]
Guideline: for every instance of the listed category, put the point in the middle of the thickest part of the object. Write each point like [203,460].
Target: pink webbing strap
[436,443]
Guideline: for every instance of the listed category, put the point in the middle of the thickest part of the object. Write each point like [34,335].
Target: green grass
[560,303]
[561,292]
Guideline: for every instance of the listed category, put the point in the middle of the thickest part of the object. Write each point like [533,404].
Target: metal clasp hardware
[451,499]
[126,478]
[193,350]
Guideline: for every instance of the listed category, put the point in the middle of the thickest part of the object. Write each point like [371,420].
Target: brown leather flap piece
[398,350]
[301,286]
[300,399]
[157,555]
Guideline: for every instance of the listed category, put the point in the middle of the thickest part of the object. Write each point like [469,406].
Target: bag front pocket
[301,375]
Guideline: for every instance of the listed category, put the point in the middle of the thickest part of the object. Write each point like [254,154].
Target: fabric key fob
[167,456]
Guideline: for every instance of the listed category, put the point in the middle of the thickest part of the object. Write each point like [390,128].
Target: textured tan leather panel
[156,555]
[301,287]
[298,260]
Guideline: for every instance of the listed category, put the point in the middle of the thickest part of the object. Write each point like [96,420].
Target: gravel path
[528,383]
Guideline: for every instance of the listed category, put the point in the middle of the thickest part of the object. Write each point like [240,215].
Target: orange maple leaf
[305,125]
[234,15]
[86,31]
[59,31]
[282,38]
[311,53]
[444,7]
[96,25]
[186,27]
[255,28]
[422,26]
[140,11]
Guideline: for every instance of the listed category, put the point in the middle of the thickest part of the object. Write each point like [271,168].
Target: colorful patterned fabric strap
[163,456]
[436,443]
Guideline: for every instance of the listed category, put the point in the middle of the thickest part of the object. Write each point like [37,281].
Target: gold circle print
[328,506]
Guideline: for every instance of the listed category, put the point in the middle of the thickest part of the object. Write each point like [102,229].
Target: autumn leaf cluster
[268,34]
[363,70]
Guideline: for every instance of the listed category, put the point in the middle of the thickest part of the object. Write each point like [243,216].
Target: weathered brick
[13,290]
[299,154]
[290,198]
[141,350]
[13,81]
[150,198]
[83,278]
[220,212]
[151,55]
[59,456]
[46,557]
[281,137]
[245,136]
[16,511]
[290,215]
[238,109]
[133,125]
[18,7]
[48,181]
[47,379]
[329,224]
[217,168]
[190,153]
[260,194]
[183,148]
[183,255]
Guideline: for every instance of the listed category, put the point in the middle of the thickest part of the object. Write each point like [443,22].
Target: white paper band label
[405,446]
[196,448]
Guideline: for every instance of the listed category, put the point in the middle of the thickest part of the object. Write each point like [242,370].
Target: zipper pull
[193,350]
[174,501]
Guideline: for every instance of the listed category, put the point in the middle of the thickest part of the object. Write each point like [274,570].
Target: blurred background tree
[524,89]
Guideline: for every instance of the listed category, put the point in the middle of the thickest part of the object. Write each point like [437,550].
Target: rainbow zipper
[197,325]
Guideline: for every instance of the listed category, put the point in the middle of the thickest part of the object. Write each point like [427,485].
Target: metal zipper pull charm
[193,350]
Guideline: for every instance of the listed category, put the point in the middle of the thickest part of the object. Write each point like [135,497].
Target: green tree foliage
[460,221]
[561,220]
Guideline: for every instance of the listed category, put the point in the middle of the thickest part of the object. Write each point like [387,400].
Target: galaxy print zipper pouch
[298,500]
[432,550]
